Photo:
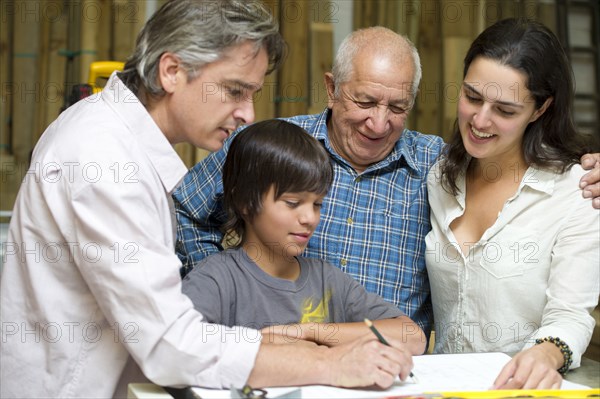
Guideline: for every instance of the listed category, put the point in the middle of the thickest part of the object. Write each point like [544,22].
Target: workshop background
[47,46]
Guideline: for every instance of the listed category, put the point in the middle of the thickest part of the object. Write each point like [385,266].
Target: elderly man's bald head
[377,43]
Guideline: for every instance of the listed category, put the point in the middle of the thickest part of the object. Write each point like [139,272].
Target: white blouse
[534,273]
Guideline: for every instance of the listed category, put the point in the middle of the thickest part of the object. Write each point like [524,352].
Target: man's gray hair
[385,41]
[198,32]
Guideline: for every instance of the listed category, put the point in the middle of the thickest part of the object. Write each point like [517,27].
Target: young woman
[513,253]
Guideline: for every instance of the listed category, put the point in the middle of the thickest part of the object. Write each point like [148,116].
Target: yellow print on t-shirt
[318,313]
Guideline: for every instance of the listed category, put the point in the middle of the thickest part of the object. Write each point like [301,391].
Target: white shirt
[91,281]
[534,273]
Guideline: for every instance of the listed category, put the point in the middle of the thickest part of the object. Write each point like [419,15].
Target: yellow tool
[101,71]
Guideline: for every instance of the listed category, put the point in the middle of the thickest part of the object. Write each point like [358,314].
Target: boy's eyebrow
[508,103]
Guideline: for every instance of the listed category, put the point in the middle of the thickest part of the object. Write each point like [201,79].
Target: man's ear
[540,111]
[330,86]
[169,68]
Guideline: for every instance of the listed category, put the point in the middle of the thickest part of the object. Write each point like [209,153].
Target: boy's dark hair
[270,153]
[527,46]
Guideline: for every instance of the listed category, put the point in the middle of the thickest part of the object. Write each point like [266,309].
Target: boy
[275,179]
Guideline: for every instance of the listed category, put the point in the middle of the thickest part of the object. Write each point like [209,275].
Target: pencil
[369,324]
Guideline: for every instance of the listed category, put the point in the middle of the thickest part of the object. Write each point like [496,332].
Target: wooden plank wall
[46,46]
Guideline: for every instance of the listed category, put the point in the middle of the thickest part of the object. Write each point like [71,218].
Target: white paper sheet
[435,373]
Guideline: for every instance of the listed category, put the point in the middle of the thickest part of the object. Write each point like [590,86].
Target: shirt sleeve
[199,211]
[144,290]
[574,282]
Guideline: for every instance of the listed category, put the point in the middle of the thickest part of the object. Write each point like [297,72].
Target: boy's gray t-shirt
[229,288]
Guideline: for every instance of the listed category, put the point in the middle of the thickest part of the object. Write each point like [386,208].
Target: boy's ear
[169,68]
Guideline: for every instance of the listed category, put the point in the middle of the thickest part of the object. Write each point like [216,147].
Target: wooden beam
[264,101]
[7,87]
[56,65]
[43,76]
[91,16]
[105,31]
[459,28]
[427,114]
[25,76]
[125,27]
[9,173]
[292,87]
[321,60]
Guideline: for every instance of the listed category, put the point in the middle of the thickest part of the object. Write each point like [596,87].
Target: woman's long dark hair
[529,47]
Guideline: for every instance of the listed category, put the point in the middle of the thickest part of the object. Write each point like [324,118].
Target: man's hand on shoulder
[590,182]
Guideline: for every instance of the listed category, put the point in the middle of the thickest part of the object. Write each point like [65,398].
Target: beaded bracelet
[564,349]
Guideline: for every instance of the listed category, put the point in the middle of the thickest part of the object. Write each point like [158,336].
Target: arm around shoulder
[590,182]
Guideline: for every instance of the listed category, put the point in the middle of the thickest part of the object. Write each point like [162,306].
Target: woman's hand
[534,368]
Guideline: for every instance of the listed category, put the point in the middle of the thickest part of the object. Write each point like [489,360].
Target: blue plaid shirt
[373,224]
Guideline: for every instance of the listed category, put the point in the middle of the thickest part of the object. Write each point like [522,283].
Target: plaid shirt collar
[399,152]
